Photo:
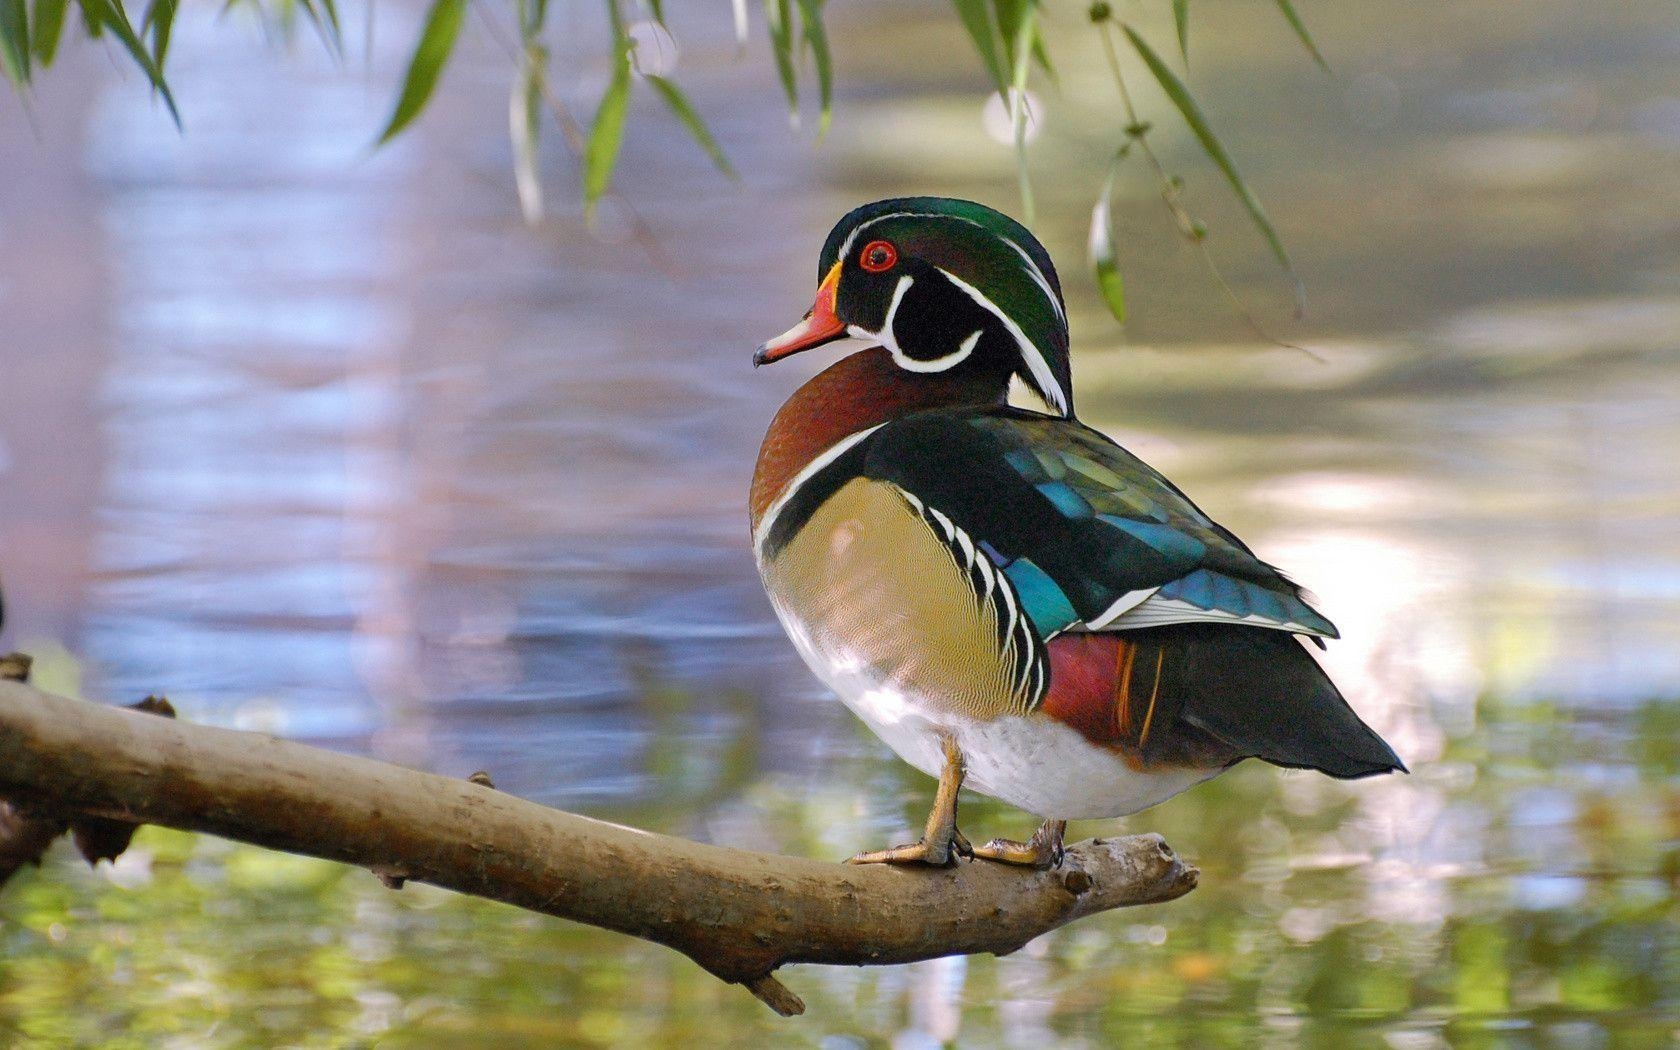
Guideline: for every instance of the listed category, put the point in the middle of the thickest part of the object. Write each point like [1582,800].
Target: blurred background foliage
[1007,37]
[333,442]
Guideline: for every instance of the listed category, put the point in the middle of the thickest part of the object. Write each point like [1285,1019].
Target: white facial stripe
[1040,368]
[811,470]
[1039,279]
[851,238]
[1033,270]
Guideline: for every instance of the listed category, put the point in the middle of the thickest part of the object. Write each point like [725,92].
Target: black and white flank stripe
[1025,660]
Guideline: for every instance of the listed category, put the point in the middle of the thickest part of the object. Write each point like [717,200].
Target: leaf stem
[1172,191]
[573,134]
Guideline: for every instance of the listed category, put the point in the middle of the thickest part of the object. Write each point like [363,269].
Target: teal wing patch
[1081,527]
[1045,603]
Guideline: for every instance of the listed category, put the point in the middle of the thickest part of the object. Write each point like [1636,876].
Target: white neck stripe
[1033,270]
[1043,378]
[851,238]
[938,364]
[811,470]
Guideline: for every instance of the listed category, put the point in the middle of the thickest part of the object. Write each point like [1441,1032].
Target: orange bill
[819,326]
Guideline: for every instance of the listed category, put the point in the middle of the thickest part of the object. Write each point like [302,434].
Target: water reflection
[341,450]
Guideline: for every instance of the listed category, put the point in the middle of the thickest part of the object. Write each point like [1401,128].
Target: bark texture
[739,914]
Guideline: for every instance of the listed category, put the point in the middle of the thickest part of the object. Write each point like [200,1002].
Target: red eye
[878,257]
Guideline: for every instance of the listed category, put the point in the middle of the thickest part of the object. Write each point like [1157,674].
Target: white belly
[1032,762]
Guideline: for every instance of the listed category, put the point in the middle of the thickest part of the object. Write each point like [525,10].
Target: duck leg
[940,840]
[1043,850]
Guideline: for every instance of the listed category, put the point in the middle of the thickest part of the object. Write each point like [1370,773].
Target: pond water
[326,442]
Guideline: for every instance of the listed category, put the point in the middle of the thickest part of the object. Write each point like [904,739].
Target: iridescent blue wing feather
[1091,537]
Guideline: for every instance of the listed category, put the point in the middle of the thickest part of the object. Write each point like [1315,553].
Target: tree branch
[739,914]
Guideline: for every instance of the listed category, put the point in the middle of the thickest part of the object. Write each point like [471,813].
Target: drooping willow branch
[739,914]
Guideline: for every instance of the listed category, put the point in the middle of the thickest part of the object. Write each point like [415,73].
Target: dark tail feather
[1261,692]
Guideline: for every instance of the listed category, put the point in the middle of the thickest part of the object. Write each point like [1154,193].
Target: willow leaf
[777,15]
[1294,19]
[331,8]
[1041,54]
[431,54]
[325,20]
[159,23]
[14,41]
[533,13]
[524,123]
[976,16]
[1012,16]
[1104,258]
[48,29]
[1021,51]
[1181,21]
[816,37]
[101,15]
[90,24]
[606,134]
[1192,113]
[690,117]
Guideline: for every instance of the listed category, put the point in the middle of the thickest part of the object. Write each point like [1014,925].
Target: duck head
[947,287]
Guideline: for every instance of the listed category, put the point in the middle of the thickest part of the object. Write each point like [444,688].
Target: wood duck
[1007,594]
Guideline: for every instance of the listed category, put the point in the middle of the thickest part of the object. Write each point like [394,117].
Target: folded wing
[1091,537]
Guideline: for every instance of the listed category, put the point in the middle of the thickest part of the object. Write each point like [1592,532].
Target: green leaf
[325,20]
[606,134]
[1300,28]
[1192,113]
[159,22]
[48,29]
[1181,20]
[777,15]
[331,9]
[14,41]
[533,13]
[1104,258]
[437,41]
[1021,52]
[524,124]
[685,111]
[1041,53]
[1012,16]
[90,24]
[811,28]
[101,15]
[976,17]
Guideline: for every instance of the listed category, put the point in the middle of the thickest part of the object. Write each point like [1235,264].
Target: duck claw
[1043,850]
